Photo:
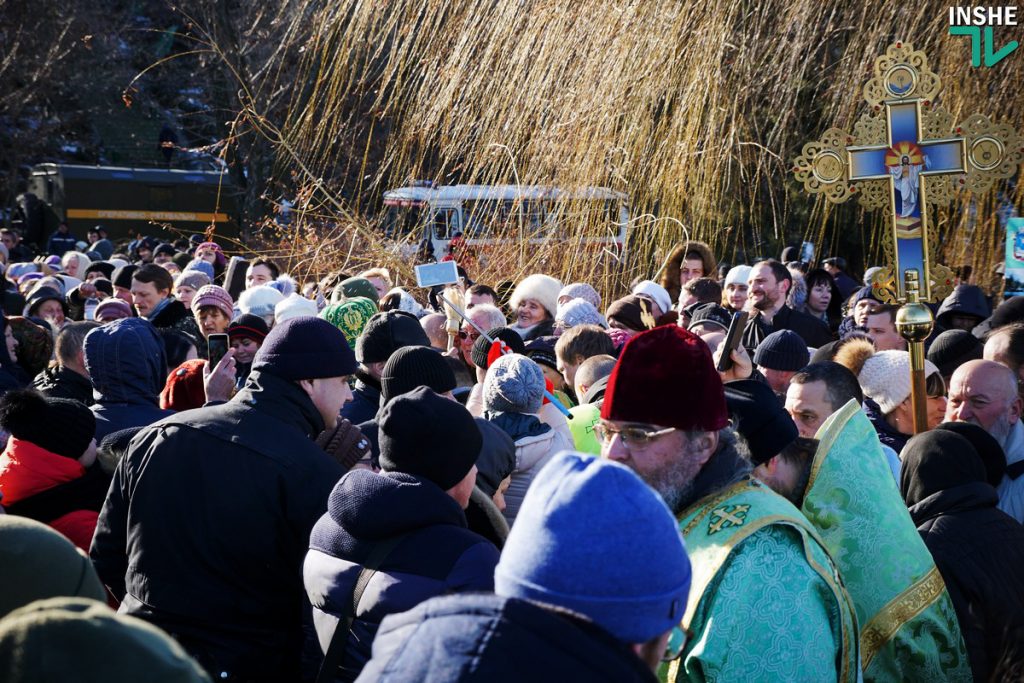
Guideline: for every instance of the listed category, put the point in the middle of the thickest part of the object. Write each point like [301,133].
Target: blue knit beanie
[514,384]
[305,348]
[202,266]
[593,538]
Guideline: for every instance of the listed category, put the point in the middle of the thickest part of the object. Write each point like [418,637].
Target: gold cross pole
[906,156]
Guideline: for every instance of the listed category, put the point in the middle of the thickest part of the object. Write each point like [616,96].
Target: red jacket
[27,469]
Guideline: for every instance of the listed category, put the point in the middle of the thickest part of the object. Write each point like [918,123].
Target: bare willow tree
[694,110]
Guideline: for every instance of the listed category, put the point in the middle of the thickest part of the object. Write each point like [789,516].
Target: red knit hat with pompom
[666,377]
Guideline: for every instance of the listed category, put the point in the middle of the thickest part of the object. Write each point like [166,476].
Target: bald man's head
[1006,345]
[433,325]
[984,393]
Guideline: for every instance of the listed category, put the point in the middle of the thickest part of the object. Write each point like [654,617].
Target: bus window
[401,221]
[446,223]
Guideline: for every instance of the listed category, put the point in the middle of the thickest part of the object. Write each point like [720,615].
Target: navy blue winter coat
[365,400]
[491,639]
[437,555]
[128,368]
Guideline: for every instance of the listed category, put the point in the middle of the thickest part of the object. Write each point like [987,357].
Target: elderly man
[485,317]
[984,393]
[758,552]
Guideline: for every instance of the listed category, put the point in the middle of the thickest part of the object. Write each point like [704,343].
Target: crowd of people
[504,482]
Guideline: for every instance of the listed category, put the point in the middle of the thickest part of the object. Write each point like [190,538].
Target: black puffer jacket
[207,521]
[813,331]
[978,549]
[175,316]
[62,382]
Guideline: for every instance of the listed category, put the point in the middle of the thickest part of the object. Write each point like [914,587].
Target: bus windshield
[401,221]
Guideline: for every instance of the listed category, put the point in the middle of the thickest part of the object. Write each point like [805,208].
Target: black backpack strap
[335,655]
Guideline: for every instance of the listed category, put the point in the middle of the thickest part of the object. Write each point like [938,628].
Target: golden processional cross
[906,156]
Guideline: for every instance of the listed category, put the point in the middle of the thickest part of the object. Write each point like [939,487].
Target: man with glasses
[767,602]
[484,317]
[578,596]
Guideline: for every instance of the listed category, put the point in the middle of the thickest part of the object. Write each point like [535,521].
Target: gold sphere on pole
[914,322]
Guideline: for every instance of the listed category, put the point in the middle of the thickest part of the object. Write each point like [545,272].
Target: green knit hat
[353,287]
[350,317]
[75,639]
[36,562]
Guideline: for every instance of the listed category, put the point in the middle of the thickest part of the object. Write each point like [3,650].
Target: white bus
[490,215]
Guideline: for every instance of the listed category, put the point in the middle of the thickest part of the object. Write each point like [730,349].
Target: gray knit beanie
[514,384]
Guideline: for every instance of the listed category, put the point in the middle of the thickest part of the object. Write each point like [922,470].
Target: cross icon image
[906,163]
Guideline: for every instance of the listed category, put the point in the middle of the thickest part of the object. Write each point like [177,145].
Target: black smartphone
[217,347]
[732,340]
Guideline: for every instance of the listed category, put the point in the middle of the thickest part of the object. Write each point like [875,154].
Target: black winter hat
[482,347]
[165,248]
[415,366]
[762,420]
[38,296]
[711,315]
[1010,311]
[385,333]
[542,351]
[782,350]
[790,253]
[429,436]
[107,269]
[953,348]
[122,277]
[305,348]
[59,425]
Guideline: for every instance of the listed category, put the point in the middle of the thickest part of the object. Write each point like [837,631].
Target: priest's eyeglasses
[632,437]
[677,640]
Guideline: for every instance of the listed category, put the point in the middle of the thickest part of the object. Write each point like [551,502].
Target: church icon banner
[1014,265]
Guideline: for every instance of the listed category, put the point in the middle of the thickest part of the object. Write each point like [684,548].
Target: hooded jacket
[126,362]
[964,300]
[670,273]
[493,639]
[437,555]
[978,549]
[28,472]
[207,521]
[536,443]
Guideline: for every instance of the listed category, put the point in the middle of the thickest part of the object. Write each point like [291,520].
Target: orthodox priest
[766,602]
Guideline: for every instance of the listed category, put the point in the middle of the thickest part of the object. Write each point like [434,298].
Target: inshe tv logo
[978,23]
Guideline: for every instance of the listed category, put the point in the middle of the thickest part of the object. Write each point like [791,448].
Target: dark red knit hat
[666,377]
[184,388]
